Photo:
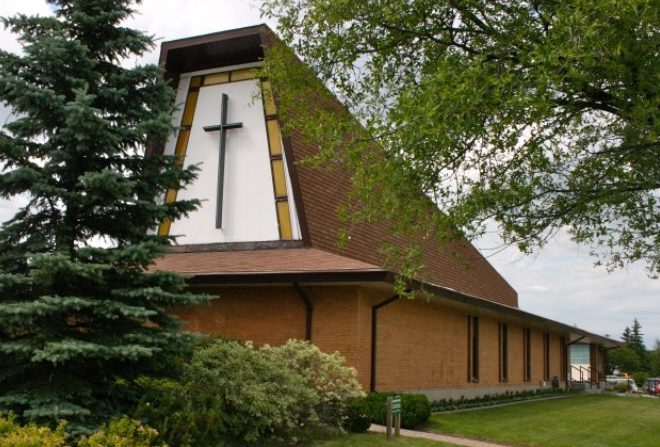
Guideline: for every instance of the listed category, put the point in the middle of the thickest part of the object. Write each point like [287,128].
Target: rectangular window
[503,337]
[546,356]
[473,348]
[527,354]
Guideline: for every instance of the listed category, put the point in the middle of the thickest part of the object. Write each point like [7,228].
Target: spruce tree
[80,315]
[634,340]
[637,344]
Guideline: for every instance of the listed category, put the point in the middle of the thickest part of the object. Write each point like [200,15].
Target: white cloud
[9,8]
[560,283]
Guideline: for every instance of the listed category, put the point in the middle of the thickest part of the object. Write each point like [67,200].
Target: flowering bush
[124,432]
[31,435]
[256,399]
[326,374]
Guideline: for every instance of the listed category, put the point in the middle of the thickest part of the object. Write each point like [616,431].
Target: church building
[265,241]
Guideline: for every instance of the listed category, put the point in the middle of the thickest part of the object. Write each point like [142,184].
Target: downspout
[309,310]
[374,336]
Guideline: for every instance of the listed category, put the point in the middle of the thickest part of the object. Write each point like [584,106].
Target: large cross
[222,127]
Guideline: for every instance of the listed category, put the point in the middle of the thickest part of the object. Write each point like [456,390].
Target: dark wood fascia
[204,39]
[236,246]
[288,278]
[232,47]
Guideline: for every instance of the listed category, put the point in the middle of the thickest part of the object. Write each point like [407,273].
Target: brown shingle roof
[321,192]
[293,260]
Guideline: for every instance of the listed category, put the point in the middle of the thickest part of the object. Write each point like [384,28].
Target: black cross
[222,127]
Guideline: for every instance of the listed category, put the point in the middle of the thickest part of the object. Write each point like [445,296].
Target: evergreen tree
[634,342]
[637,337]
[627,335]
[80,321]
[654,360]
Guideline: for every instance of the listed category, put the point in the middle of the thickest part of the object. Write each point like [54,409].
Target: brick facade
[421,344]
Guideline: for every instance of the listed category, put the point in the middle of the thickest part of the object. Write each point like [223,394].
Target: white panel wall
[249,207]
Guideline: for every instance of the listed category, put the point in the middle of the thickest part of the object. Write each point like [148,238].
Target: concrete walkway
[437,437]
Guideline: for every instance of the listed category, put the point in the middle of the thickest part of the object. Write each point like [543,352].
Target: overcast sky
[559,283]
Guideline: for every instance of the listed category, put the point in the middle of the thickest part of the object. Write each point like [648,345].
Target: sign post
[388,418]
[393,416]
[396,411]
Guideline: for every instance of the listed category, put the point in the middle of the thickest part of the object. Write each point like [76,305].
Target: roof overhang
[287,262]
[232,47]
[487,307]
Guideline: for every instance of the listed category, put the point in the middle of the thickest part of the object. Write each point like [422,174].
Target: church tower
[228,127]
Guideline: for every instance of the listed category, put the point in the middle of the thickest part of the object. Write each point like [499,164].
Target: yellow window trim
[182,143]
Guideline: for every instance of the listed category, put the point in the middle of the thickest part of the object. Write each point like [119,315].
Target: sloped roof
[285,260]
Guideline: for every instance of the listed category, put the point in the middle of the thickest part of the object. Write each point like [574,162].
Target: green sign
[396,404]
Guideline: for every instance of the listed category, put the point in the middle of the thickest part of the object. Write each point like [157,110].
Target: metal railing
[585,375]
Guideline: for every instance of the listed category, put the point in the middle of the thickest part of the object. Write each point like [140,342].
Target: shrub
[326,374]
[639,377]
[415,408]
[496,399]
[166,406]
[621,387]
[245,397]
[31,435]
[356,415]
[123,432]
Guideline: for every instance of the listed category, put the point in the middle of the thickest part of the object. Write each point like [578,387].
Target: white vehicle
[613,380]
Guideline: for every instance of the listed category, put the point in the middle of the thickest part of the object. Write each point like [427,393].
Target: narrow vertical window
[503,337]
[277,163]
[473,348]
[546,356]
[527,354]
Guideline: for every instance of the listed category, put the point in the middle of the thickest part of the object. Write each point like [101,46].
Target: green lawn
[376,440]
[579,421]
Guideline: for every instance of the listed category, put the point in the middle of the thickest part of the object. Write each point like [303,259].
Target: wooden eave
[232,47]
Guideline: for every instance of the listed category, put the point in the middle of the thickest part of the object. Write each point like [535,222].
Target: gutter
[309,310]
[374,336]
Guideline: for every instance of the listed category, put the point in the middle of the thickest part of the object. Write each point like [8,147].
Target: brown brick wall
[422,344]
[335,324]
[263,315]
[537,355]
[275,314]
[516,370]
